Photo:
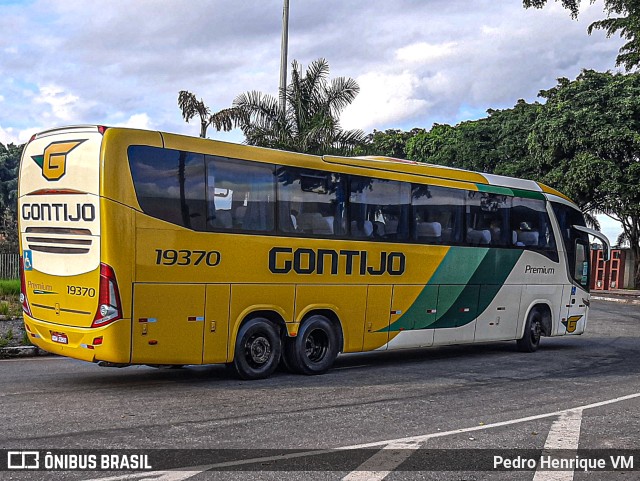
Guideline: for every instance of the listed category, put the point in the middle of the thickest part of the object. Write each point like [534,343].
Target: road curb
[21,351]
[616,299]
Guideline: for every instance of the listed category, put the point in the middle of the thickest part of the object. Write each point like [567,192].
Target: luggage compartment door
[168,323]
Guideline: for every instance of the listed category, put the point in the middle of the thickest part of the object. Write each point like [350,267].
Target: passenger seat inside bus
[429,231]
[390,225]
[526,238]
[365,231]
[322,225]
[481,237]
[222,219]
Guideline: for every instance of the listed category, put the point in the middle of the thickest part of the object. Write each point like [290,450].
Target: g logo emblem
[53,161]
[572,323]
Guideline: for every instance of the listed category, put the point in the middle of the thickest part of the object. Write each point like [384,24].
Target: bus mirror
[606,246]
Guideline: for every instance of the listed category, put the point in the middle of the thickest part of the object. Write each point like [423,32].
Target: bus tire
[314,349]
[257,349]
[287,361]
[532,332]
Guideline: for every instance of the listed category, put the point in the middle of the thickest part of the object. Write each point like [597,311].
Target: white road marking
[408,440]
[381,464]
[564,434]
[426,437]
[173,475]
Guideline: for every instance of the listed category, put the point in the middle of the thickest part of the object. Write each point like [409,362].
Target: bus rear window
[203,192]
[169,184]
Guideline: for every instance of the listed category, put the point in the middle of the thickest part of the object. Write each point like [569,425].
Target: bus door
[378,314]
[168,323]
[216,327]
[576,298]
[413,312]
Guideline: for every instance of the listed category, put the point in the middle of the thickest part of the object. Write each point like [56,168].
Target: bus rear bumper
[108,343]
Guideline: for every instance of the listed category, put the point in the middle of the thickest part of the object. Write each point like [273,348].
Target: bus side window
[379,209]
[169,184]
[310,202]
[240,195]
[436,214]
[487,219]
[531,228]
[581,264]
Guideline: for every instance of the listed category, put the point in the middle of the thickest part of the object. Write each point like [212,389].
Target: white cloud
[62,104]
[384,98]
[137,121]
[424,52]
[8,136]
[11,135]
[70,61]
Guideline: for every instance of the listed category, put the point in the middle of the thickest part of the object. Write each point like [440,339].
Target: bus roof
[498,184]
[490,183]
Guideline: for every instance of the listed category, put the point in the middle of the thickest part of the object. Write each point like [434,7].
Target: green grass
[8,337]
[10,298]
[9,287]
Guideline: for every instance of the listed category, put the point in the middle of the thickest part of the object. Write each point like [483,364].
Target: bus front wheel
[314,349]
[532,332]
[257,349]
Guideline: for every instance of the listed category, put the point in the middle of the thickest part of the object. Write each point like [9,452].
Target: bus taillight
[109,305]
[23,290]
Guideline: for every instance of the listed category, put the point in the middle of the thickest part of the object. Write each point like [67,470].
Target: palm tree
[225,119]
[310,121]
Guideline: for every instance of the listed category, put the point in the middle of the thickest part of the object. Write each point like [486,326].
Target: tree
[310,122]
[440,145]
[388,143]
[627,23]
[225,119]
[9,162]
[495,144]
[586,140]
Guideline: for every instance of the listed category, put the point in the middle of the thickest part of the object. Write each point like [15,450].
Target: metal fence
[9,266]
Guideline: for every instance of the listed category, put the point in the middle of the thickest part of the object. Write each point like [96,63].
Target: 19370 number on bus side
[171,257]
[81,291]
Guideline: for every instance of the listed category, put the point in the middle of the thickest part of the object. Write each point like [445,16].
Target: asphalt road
[470,402]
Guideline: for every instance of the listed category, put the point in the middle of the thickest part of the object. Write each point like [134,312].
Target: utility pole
[283,55]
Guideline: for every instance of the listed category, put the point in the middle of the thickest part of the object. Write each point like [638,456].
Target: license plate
[59,337]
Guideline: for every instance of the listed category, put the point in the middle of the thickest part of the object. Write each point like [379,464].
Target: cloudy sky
[122,62]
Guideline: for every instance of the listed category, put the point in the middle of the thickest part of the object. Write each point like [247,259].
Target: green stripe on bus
[510,191]
[464,285]
[528,194]
[457,267]
[494,189]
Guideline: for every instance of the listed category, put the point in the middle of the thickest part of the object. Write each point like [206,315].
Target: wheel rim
[316,345]
[536,331]
[258,350]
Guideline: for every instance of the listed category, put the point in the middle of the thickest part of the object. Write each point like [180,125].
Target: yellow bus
[142,247]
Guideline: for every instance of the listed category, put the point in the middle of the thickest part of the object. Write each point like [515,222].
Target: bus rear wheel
[257,349]
[532,332]
[314,349]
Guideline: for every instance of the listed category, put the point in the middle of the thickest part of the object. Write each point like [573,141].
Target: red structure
[610,274]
